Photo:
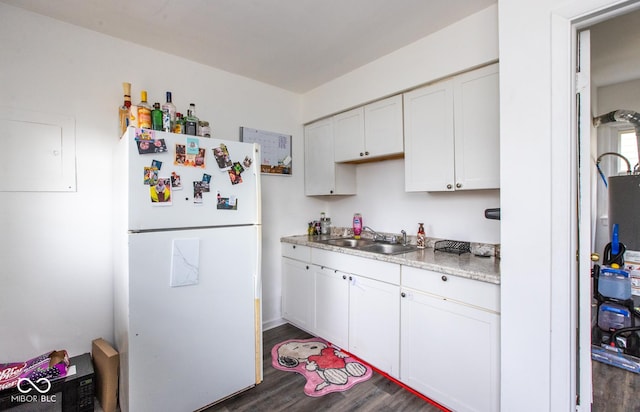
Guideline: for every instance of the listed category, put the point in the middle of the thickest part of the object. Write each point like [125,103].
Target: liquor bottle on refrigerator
[156,117]
[144,111]
[168,114]
[124,110]
[178,127]
[191,121]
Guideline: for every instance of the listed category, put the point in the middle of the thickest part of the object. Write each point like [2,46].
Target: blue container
[614,283]
[612,317]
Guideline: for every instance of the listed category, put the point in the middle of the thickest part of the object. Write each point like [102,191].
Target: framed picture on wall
[275,150]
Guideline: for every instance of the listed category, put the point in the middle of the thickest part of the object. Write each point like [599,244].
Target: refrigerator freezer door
[234,182]
[192,345]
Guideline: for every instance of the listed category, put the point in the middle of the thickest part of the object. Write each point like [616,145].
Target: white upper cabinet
[322,176]
[369,132]
[452,136]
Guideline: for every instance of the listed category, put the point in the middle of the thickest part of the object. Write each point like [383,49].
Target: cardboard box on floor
[106,362]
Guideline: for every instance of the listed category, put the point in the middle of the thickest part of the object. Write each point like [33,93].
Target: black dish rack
[452,246]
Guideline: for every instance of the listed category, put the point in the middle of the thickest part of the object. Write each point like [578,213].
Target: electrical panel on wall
[38,151]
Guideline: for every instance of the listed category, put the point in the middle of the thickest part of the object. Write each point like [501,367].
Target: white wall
[537,199]
[55,248]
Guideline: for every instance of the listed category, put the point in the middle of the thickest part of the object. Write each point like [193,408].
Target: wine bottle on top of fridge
[144,111]
[168,114]
[124,110]
[191,121]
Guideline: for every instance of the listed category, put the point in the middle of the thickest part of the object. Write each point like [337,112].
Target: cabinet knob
[444,278]
[344,277]
[294,246]
[330,191]
[361,154]
[449,186]
[350,278]
[404,295]
[458,185]
[307,267]
[366,153]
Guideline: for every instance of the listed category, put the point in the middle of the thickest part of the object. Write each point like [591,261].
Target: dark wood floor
[282,390]
[614,389]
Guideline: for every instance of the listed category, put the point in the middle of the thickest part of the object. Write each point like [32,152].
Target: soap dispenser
[421,238]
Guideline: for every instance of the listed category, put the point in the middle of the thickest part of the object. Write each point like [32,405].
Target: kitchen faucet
[379,237]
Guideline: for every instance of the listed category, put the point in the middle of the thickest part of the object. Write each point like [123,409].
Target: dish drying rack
[452,246]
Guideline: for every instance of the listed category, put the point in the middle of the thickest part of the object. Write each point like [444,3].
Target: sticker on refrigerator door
[227,203]
[199,188]
[223,159]
[182,158]
[176,181]
[235,173]
[156,163]
[160,193]
[150,175]
[185,262]
[247,162]
[193,146]
[151,146]
[145,134]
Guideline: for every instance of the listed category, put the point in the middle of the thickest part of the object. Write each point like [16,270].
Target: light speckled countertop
[467,265]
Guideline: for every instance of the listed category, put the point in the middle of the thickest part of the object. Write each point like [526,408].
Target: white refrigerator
[187,230]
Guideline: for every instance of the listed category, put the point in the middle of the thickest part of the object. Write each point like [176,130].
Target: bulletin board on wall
[275,150]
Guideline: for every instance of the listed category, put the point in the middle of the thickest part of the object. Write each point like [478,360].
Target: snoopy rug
[326,368]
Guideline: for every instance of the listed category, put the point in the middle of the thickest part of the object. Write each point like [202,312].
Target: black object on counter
[492,213]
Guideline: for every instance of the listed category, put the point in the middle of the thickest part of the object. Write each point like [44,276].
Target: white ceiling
[293,44]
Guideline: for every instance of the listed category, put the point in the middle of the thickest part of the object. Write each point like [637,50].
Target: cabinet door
[297,293]
[331,305]
[319,171]
[383,128]
[322,176]
[348,136]
[374,313]
[428,134]
[477,129]
[450,352]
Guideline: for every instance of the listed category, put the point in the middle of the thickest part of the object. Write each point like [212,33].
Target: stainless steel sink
[348,242]
[369,245]
[388,248]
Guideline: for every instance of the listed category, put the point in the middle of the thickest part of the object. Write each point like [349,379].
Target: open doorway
[615,86]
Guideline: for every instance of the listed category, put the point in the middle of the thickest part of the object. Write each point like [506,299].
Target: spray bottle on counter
[357,225]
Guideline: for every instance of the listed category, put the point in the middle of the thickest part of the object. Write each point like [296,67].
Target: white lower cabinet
[297,293]
[374,333]
[331,305]
[450,350]
[439,334]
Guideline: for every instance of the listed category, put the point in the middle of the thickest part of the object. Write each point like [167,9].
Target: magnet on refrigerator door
[160,193]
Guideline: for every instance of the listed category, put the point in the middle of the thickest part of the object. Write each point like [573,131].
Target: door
[374,323]
[583,290]
[297,293]
[428,138]
[319,169]
[205,327]
[331,305]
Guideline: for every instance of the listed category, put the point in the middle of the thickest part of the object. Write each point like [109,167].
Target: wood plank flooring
[614,389]
[282,390]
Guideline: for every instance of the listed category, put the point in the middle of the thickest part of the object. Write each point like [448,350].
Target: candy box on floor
[51,365]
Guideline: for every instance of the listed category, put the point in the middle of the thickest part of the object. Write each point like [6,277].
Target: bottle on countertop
[125,109]
[311,229]
[357,225]
[191,121]
[421,238]
[168,114]
[144,111]
[325,224]
[156,117]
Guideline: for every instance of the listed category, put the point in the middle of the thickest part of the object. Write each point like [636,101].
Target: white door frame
[566,21]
